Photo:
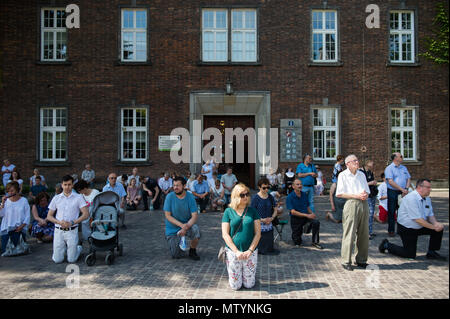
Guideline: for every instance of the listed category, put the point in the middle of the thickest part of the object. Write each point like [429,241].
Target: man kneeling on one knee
[181,216]
[416,218]
[67,206]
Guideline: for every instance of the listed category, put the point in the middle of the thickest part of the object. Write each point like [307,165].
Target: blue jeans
[371,201]
[309,190]
[392,208]
[15,236]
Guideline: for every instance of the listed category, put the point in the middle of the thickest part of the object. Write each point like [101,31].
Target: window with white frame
[324,37]
[325,133]
[133,134]
[215,35]
[134,35]
[403,132]
[53,135]
[53,34]
[243,35]
[215,31]
[401,37]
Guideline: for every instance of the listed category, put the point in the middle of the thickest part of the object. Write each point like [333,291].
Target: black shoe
[434,255]
[362,265]
[317,245]
[273,252]
[382,247]
[193,254]
[347,267]
[372,236]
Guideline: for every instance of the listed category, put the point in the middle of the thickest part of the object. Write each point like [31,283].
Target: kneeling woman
[41,228]
[241,231]
[16,215]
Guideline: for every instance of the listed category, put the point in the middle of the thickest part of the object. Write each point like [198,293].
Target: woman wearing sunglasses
[241,231]
[265,205]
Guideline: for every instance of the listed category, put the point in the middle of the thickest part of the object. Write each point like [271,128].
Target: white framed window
[401,37]
[215,35]
[53,134]
[325,133]
[403,132]
[243,35]
[216,30]
[324,36]
[134,35]
[53,34]
[133,134]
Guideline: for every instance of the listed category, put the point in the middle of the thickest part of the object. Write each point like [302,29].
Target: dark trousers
[203,202]
[265,244]
[15,237]
[145,197]
[392,208]
[409,238]
[304,225]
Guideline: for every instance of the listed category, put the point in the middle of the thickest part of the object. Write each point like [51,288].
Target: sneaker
[193,254]
[434,255]
[383,246]
[317,245]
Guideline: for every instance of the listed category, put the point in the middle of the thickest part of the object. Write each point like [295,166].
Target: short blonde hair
[235,198]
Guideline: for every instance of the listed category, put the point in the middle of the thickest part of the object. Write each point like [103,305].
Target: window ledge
[52,164]
[324,162]
[130,163]
[405,64]
[203,63]
[53,62]
[147,63]
[338,63]
[412,163]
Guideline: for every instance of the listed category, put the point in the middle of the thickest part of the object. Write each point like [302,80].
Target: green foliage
[437,46]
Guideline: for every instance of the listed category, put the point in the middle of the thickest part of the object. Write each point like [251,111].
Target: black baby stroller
[104,227]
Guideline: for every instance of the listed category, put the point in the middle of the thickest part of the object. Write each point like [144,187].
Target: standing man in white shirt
[352,185]
[416,218]
[67,206]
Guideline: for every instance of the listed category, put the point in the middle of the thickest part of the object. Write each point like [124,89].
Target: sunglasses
[244,195]
[266,187]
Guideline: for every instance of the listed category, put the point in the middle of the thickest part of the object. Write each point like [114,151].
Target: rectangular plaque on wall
[290,140]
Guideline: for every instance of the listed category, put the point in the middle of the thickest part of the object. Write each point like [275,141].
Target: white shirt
[352,184]
[412,207]
[209,168]
[7,176]
[14,214]
[165,184]
[67,207]
[382,192]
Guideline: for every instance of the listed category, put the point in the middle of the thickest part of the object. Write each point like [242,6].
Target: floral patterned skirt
[46,230]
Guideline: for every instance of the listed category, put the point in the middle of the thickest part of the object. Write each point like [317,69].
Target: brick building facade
[136,69]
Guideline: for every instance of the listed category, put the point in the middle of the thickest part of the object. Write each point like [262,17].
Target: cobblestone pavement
[146,269]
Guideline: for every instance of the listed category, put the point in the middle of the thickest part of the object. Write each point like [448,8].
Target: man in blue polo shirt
[302,217]
[117,188]
[398,181]
[307,173]
[201,192]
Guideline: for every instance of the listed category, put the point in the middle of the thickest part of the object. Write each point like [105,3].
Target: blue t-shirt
[297,203]
[36,189]
[302,168]
[181,210]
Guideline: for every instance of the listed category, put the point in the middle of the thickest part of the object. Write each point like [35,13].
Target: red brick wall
[94,86]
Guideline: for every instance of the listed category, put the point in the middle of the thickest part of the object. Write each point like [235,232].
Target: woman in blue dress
[41,228]
[265,205]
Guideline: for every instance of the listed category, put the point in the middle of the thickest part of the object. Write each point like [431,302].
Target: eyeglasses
[244,195]
[113,178]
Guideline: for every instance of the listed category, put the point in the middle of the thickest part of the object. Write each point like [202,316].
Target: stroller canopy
[106,198]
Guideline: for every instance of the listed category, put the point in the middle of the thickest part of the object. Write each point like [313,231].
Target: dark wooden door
[245,172]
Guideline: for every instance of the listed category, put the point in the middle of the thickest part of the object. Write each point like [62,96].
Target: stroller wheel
[109,259]
[90,259]
[120,249]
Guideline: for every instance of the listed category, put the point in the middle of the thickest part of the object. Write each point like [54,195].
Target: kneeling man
[416,218]
[67,206]
[181,214]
